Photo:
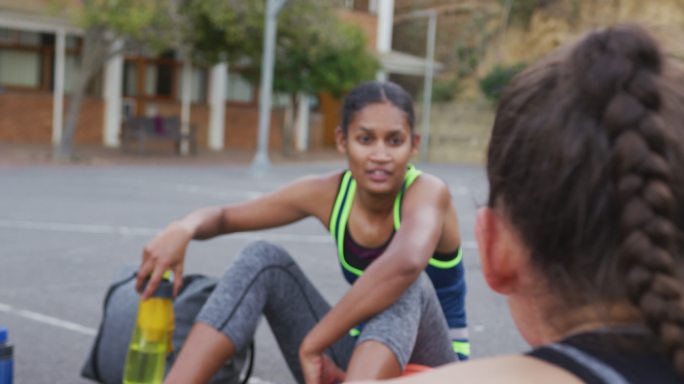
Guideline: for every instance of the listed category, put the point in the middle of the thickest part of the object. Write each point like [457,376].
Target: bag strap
[96,345]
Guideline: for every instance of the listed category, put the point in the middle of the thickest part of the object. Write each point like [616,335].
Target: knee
[262,254]
[422,285]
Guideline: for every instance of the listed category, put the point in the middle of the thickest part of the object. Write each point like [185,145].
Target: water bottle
[152,337]
[6,361]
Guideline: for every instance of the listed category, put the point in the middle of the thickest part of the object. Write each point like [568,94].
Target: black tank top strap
[586,367]
[618,354]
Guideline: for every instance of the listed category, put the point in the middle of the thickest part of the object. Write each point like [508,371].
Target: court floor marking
[45,319]
[68,325]
[149,232]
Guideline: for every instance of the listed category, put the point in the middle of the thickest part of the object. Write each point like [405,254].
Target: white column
[186,93]
[302,123]
[112,97]
[58,94]
[217,105]
[427,86]
[383,42]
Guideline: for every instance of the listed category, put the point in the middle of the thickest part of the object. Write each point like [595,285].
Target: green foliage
[314,51]
[332,65]
[468,58]
[495,81]
[522,10]
[141,21]
[444,90]
[224,30]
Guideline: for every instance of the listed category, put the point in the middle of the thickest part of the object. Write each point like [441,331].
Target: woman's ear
[502,253]
[341,141]
[415,143]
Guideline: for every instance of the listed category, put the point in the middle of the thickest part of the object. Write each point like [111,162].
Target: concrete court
[66,230]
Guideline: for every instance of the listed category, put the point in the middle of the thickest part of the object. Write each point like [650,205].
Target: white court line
[45,319]
[68,325]
[218,192]
[148,232]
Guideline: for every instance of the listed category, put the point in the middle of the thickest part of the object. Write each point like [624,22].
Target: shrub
[495,81]
[444,90]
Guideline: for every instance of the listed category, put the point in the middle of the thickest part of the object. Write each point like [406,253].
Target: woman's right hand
[165,251]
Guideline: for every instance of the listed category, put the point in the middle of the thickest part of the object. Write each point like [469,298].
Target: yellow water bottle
[152,337]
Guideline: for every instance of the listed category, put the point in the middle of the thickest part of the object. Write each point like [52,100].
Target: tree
[224,30]
[315,52]
[105,22]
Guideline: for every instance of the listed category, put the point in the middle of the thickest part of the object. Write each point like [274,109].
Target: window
[72,65]
[198,84]
[21,58]
[27,60]
[20,68]
[280,100]
[239,89]
[159,78]
[130,79]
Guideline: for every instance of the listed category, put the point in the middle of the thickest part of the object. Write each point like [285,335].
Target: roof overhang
[405,64]
[35,22]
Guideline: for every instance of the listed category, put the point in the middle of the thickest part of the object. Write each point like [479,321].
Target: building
[39,58]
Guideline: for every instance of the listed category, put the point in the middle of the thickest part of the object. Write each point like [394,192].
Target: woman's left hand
[318,368]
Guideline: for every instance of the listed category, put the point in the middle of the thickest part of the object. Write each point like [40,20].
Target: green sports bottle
[152,337]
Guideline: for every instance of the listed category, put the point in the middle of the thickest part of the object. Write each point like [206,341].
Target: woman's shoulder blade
[509,369]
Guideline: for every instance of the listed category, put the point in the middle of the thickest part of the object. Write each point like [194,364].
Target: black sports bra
[611,356]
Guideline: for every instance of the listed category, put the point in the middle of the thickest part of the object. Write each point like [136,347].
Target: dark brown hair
[372,92]
[587,159]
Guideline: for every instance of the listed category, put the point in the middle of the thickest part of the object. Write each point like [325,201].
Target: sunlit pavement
[67,229]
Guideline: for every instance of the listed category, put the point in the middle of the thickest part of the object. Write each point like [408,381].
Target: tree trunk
[94,57]
[289,126]
[64,150]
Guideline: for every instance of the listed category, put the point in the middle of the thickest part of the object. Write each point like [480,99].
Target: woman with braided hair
[583,227]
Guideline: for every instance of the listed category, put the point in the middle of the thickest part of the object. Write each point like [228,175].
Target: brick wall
[26,117]
[242,124]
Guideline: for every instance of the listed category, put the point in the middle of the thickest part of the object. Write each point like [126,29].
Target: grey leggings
[265,279]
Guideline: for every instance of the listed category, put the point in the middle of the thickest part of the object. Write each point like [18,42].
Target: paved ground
[66,229]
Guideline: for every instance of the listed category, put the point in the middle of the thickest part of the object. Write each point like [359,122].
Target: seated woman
[390,222]
[583,229]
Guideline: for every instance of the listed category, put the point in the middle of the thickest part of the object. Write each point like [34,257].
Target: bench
[140,130]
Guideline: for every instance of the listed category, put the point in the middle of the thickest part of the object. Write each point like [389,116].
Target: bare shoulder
[503,369]
[317,192]
[427,188]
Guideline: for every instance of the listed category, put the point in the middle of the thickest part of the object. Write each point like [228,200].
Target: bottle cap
[165,287]
[5,349]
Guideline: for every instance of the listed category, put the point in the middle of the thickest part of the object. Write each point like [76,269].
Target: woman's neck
[556,322]
[599,316]
[376,204]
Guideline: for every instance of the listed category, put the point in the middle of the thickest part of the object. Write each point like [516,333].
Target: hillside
[475,36]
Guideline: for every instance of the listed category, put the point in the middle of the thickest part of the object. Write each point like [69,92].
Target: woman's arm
[292,202]
[385,280]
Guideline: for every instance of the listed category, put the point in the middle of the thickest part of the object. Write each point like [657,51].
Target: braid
[618,70]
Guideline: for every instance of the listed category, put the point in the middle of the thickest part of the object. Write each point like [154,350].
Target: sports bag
[105,361]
